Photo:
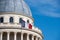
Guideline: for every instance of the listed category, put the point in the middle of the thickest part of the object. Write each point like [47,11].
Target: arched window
[20,20]
[27,21]
[11,19]
[1,19]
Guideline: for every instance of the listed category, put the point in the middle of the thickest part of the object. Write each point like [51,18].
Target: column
[27,36]
[1,35]
[8,34]
[21,36]
[15,36]
[36,38]
[32,37]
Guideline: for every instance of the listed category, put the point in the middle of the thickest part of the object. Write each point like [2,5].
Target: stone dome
[16,6]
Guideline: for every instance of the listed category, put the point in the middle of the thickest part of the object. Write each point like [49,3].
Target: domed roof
[17,6]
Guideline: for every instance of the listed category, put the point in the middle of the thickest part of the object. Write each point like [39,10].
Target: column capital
[27,33]
[15,32]
[8,32]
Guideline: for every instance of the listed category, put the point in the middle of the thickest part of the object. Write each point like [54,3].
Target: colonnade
[17,36]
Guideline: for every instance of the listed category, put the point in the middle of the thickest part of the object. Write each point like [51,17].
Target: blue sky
[46,14]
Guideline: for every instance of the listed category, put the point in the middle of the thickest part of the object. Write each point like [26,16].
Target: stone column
[21,36]
[36,38]
[27,36]
[32,37]
[15,36]
[1,35]
[8,34]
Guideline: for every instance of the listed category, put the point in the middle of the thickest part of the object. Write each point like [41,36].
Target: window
[20,20]
[11,19]
[27,21]
[1,20]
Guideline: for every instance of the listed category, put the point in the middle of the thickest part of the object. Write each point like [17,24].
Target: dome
[17,6]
